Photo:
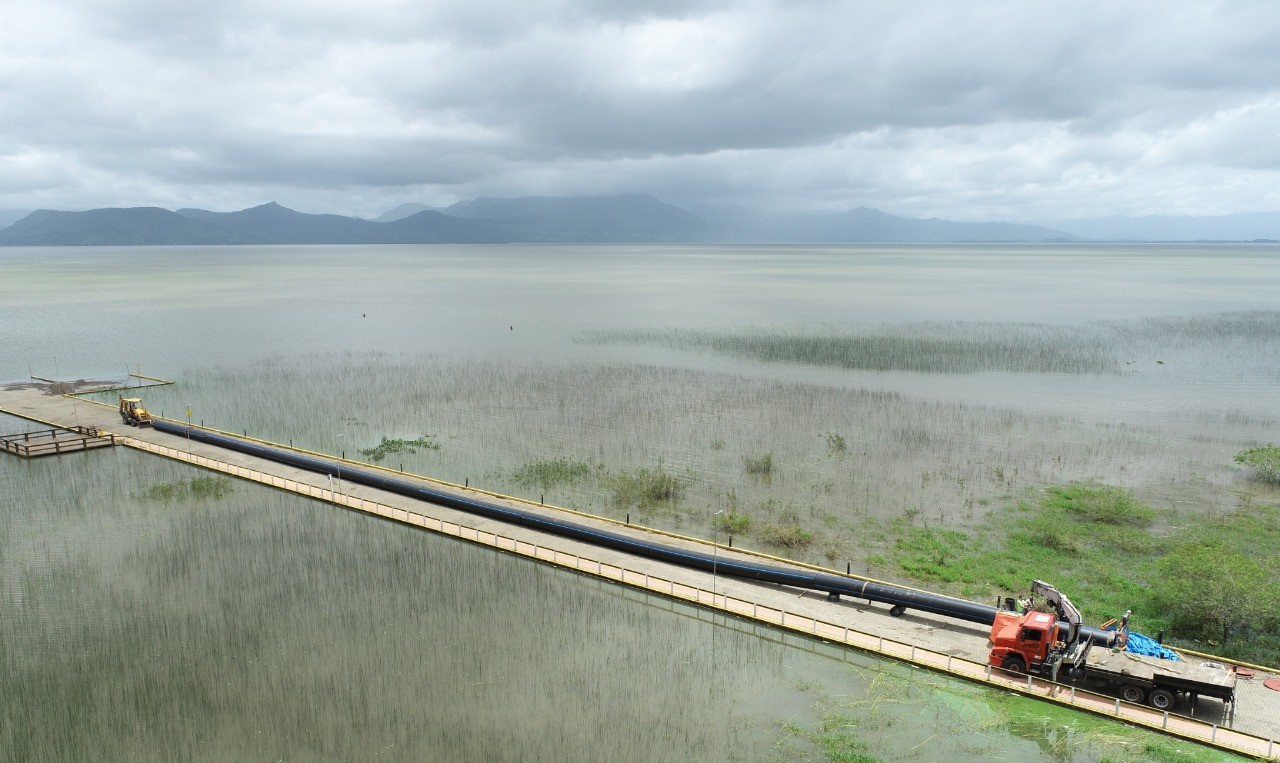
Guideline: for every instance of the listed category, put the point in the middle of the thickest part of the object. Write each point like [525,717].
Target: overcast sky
[1015,111]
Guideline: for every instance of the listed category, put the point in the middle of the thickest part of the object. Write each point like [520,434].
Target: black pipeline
[900,599]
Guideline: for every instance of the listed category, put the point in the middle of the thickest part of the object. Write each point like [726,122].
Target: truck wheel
[1014,664]
[1133,694]
[1161,699]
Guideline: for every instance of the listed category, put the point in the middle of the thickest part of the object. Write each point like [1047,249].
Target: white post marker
[715,545]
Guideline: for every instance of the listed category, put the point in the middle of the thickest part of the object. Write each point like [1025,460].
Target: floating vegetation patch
[732,522]
[644,488]
[199,488]
[787,536]
[387,447]
[836,735]
[923,348]
[551,473]
[761,465]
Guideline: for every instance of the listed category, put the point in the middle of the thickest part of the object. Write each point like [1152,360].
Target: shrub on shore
[1264,461]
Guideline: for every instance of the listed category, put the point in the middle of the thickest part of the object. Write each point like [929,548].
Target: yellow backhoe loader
[132,412]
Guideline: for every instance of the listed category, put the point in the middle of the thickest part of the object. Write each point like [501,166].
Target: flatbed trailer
[1137,678]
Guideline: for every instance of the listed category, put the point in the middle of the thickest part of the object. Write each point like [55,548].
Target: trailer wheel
[1014,664]
[1161,699]
[1134,694]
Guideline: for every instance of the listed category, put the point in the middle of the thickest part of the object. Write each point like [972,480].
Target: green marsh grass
[1209,579]
[1105,567]
[1103,504]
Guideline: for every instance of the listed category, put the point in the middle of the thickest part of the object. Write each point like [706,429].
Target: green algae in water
[910,714]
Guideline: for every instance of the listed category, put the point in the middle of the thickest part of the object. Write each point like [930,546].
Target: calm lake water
[259,626]
[94,311]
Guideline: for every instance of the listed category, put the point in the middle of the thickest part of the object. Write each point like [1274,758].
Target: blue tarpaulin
[1145,645]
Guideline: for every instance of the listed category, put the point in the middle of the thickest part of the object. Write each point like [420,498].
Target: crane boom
[1063,606]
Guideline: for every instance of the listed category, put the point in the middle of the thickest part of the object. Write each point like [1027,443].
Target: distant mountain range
[591,219]
[1238,227]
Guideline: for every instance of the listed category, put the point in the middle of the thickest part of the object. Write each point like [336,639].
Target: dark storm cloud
[991,109]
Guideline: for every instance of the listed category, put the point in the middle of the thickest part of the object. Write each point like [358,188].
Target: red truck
[1041,643]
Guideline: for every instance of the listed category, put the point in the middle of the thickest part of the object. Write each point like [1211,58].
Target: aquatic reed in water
[923,348]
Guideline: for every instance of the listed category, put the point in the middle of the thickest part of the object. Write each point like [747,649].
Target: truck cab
[1022,642]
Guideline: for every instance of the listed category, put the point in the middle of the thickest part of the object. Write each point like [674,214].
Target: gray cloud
[980,110]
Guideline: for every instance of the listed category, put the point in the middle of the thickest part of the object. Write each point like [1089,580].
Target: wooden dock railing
[50,442]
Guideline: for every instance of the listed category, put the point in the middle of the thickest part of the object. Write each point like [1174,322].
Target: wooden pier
[55,442]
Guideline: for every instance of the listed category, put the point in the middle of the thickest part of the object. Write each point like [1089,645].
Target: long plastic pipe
[818,581]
